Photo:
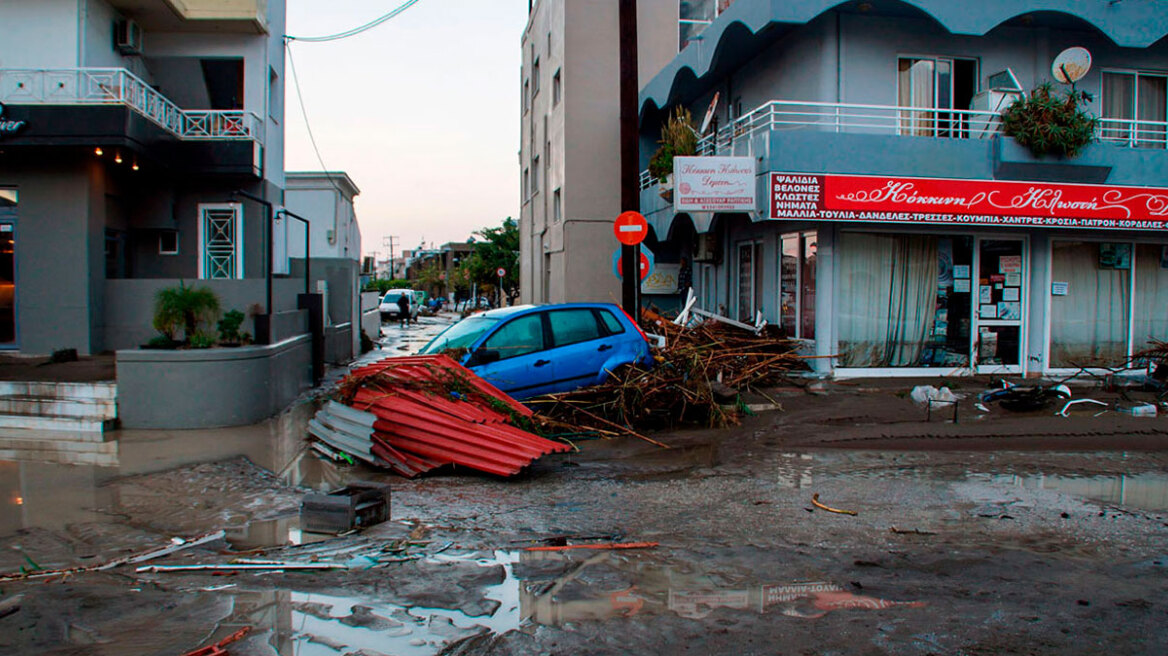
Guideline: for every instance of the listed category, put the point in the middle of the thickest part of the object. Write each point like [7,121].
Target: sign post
[630,229]
[500,272]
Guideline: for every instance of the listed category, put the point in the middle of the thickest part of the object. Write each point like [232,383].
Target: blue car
[528,350]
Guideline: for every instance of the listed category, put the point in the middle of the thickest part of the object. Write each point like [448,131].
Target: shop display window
[1090,304]
[905,300]
[797,284]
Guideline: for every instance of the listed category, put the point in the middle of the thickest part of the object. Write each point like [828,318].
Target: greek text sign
[966,202]
[714,184]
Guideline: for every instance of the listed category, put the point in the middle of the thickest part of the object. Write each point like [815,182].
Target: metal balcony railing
[905,121]
[117,86]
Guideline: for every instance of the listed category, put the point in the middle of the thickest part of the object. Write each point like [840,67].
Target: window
[168,242]
[797,284]
[526,185]
[275,96]
[611,323]
[526,103]
[517,337]
[535,78]
[1134,109]
[573,326]
[749,280]
[557,209]
[221,241]
[556,88]
[934,85]
[535,175]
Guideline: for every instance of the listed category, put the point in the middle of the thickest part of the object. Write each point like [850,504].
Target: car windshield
[461,335]
[391,297]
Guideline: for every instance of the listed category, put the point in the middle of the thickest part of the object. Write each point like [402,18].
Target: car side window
[611,323]
[517,337]
[573,326]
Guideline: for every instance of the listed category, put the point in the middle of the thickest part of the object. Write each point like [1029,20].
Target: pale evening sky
[422,112]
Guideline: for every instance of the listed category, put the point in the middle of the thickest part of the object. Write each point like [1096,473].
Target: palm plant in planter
[185,307]
[1049,124]
[678,139]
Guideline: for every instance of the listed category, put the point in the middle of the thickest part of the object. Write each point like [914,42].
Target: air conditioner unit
[127,37]
[1002,90]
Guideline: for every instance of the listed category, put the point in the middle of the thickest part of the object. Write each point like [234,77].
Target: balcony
[119,87]
[245,16]
[759,132]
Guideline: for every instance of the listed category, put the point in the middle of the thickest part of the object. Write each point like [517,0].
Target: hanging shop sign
[714,184]
[866,198]
[8,126]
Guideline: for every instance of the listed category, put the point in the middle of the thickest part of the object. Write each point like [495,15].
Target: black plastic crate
[357,505]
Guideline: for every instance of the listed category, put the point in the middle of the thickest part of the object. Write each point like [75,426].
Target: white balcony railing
[117,86]
[905,121]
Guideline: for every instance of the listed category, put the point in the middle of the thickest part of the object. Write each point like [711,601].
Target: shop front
[951,277]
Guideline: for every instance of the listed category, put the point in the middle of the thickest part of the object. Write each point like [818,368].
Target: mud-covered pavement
[950,551]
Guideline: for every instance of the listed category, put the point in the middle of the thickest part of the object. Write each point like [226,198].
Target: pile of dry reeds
[688,384]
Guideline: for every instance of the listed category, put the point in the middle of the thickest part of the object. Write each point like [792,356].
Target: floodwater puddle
[1144,491]
[540,587]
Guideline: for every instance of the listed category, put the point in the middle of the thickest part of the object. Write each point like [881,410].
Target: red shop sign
[966,202]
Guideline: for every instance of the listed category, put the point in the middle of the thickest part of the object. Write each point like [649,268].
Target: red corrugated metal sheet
[431,411]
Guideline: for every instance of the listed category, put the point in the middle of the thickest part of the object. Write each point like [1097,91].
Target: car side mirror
[484,356]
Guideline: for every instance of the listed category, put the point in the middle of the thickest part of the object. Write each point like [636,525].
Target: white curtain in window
[1150,316]
[1119,100]
[1088,326]
[916,90]
[1151,108]
[888,302]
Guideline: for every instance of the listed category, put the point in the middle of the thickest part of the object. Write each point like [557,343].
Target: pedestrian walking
[403,309]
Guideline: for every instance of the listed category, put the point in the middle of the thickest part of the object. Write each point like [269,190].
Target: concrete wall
[49,35]
[129,306]
[370,317]
[211,387]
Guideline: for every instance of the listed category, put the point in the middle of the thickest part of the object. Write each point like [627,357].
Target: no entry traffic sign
[646,263]
[630,228]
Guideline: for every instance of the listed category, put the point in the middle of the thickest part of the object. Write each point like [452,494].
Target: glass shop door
[1000,306]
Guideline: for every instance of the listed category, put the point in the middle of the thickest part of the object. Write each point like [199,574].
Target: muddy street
[940,551]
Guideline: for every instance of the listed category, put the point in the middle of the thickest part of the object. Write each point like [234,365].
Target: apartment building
[888,221]
[570,150]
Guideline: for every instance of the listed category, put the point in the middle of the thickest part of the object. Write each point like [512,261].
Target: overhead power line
[356,30]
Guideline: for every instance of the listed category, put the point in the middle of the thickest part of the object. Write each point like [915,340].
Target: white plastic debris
[922,394]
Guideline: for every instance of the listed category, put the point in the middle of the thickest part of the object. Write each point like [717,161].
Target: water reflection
[1147,491]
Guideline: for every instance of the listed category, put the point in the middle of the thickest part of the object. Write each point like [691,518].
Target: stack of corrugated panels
[415,414]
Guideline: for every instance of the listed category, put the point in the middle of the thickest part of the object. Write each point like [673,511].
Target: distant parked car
[388,307]
[528,350]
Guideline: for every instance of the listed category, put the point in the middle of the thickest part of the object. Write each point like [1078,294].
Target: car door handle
[540,363]
[604,347]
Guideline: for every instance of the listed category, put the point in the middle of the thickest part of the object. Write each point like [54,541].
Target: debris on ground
[698,378]
[610,545]
[1016,398]
[356,506]
[815,502]
[220,648]
[418,413]
[177,544]
[925,394]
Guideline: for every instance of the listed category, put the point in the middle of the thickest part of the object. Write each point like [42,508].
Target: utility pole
[389,242]
[629,154]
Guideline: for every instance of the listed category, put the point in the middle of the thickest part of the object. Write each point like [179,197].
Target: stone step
[57,447]
[55,423]
[100,409]
[67,437]
[104,390]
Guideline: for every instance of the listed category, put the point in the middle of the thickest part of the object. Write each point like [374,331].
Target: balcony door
[931,86]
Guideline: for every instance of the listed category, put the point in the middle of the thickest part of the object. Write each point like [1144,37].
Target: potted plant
[1049,124]
[186,308]
[678,139]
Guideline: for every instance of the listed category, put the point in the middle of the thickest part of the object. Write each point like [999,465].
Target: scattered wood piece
[10,605]
[616,545]
[220,648]
[910,531]
[230,567]
[815,502]
[117,562]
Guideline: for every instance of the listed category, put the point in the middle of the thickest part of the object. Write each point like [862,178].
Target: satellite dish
[1071,65]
